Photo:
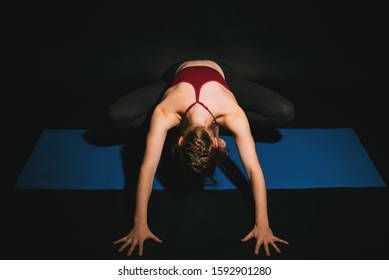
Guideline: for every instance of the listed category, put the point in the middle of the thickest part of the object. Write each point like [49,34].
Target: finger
[128,242]
[156,239]
[140,252]
[282,241]
[267,250]
[132,248]
[275,247]
[257,247]
[120,240]
[248,237]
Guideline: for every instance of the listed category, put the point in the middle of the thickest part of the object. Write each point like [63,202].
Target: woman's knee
[284,112]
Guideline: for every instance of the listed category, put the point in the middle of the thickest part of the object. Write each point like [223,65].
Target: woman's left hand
[264,236]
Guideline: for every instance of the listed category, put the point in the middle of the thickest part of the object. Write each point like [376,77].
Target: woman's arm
[239,126]
[161,122]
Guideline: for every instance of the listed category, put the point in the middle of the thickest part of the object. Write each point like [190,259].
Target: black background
[64,62]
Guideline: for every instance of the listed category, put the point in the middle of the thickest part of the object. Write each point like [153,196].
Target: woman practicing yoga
[199,96]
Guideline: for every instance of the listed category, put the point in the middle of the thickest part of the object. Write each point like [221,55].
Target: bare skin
[168,114]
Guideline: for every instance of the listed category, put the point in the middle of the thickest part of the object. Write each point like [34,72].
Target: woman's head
[200,149]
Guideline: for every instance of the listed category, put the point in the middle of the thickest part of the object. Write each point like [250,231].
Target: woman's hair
[197,150]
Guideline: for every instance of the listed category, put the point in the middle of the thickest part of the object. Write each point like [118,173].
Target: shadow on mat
[175,180]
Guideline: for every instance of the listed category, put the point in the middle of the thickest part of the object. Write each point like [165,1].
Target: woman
[199,96]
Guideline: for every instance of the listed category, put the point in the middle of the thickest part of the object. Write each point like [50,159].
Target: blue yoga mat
[303,158]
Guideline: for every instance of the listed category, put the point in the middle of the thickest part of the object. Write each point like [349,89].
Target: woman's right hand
[137,236]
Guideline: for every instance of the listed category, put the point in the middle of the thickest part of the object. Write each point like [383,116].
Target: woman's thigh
[262,105]
[131,110]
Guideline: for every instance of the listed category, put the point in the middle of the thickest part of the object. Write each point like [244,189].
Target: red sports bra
[198,76]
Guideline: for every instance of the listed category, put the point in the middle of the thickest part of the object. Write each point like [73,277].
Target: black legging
[262,106]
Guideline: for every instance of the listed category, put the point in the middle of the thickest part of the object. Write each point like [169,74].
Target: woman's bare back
[219,100]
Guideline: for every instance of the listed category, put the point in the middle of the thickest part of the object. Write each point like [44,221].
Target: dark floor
[67,62]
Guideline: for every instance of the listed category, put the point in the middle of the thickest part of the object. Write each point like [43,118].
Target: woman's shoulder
[164,115]
[235,119]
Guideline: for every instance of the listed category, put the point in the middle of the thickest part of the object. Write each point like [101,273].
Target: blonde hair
[197,149]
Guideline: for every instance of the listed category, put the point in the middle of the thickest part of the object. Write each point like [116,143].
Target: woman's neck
[197,117]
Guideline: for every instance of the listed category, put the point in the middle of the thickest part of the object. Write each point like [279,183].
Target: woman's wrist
[263,221]
[140,222]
